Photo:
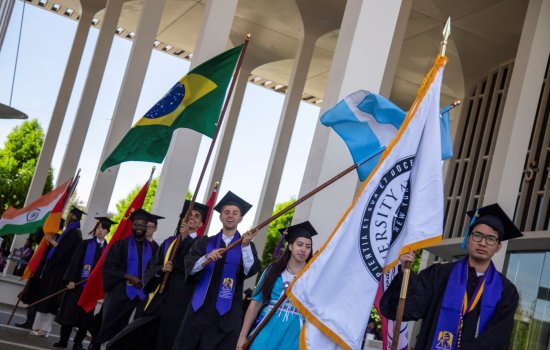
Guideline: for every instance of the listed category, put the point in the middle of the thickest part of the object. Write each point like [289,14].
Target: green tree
[273,234]
[18,159]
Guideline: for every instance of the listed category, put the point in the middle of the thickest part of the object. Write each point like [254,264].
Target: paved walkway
[14,338]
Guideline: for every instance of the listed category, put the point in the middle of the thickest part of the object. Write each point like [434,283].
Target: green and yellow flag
[194,102]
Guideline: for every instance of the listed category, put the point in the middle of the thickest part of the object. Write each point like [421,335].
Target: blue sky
[45,42]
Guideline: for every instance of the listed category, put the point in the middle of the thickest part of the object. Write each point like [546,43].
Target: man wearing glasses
[123,270]
[466,304]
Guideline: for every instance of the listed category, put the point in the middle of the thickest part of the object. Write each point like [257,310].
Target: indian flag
[33,216]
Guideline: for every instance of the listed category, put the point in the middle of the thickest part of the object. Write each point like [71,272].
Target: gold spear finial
[446,33]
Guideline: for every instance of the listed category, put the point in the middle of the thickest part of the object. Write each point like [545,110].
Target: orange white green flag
[33,216]
[398,209]
[51,226]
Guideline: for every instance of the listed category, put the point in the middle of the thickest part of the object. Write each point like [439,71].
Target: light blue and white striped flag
[368,122]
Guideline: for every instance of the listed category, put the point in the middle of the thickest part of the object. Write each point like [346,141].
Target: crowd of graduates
[187,292]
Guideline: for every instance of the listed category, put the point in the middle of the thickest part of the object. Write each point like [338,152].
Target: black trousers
[66,334]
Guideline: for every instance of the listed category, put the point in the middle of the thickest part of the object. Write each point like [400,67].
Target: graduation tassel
[208,155]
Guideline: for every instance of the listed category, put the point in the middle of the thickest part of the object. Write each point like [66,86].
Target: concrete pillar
[355,66]
[180,160]
[125,109]
[283,136]
[519,113]
[6,9]
[89,8]
[90,92]
[228,128]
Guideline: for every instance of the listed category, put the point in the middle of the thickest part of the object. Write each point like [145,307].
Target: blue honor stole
[132,266]
[88,262]
[456,303]
[72,225]
[226,290]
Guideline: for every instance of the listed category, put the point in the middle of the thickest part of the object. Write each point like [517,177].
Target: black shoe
[60,345]
[78,347]
[24,325]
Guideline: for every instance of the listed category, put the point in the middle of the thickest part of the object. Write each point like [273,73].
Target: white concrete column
[227,132]
[519,113]
[283,136]
[125,109]
[6,9]
[60,109]
[180,160]
[356,65]
[89,8]
[90,92]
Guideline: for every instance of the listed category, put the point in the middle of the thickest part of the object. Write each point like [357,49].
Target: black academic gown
[48,278]
[205,329]
[158,325]
[117,307]
[424,298]
[70,314]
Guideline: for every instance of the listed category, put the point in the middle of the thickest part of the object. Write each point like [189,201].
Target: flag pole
[55,294]
[264,322]
[298,202]
[208,155]
[401,305]
[408,264]
[25,287]
[17,303]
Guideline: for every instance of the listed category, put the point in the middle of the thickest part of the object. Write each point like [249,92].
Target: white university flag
[399,209]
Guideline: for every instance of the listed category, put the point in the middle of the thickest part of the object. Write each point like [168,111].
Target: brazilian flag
[194,102]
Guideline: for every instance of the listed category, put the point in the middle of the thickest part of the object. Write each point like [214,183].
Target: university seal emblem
[384,215]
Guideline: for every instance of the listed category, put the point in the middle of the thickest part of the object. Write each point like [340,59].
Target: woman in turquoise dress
[283,329]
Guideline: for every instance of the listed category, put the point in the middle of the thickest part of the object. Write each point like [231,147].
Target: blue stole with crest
[132,266]
[228,282]
[456,303]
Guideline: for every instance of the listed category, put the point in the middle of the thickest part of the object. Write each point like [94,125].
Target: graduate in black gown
[158,325]
[214,317]
[467,304]
[123,270]
[51,270]
[152,225]
[82,264]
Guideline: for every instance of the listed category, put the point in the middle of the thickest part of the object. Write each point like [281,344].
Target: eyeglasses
[135,224]
[478,237]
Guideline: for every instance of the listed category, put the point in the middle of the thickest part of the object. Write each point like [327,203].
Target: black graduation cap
[232,199]
[202,208]
[304,229]
[77,212]
[493,215]
[154,218]
[105,222]
[140,214]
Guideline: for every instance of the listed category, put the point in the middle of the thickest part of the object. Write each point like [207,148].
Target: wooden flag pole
[401,305]
[264,322]
[18,301]
[208,155]
[407,265]
[71,183]
[55,294]
[298,202]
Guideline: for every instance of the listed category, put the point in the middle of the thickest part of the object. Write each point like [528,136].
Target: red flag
[93,291]
[201,230]
[51,226]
